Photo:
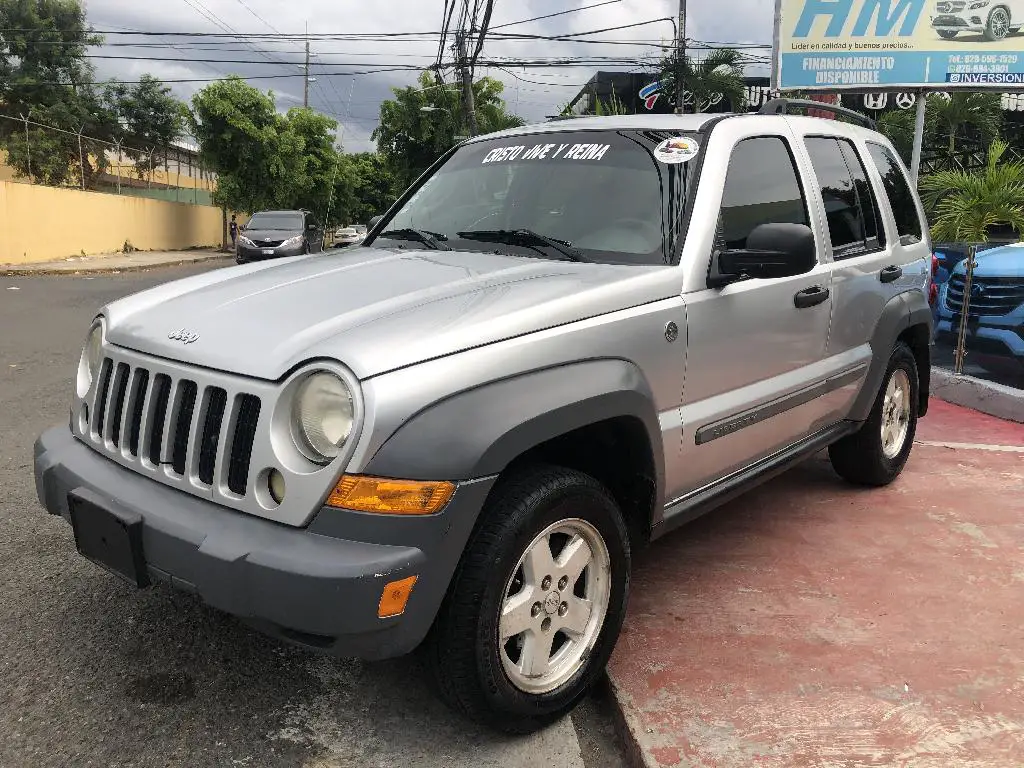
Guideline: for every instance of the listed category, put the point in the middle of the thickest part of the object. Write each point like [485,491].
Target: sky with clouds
[354,100]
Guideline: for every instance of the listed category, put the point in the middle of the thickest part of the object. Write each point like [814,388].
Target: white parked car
[347,236]
[996,19]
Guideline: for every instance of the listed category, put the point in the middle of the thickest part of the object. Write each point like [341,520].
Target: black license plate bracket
[112,540]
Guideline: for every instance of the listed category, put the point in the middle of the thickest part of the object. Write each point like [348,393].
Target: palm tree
[720,73]
[613,106]
[967,205]
[897,125]
[950,117]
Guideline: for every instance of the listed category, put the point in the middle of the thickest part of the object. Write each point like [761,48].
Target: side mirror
[773,250]
[373,222]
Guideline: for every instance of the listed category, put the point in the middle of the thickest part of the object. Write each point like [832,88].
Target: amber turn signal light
[390,497]
[394,597]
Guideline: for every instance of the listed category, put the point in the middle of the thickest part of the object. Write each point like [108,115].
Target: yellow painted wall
[6,172]
[40,223]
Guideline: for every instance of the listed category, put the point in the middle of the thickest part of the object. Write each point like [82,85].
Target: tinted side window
[846,219]
[874,229]
[901,196]
[761,187]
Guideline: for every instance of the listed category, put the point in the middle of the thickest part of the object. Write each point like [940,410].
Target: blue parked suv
[995,313]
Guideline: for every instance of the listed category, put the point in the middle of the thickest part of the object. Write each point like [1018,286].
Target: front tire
[536,603]
[877,453]
[998,26]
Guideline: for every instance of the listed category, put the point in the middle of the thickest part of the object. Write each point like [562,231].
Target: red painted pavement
[816,624]
[952,424]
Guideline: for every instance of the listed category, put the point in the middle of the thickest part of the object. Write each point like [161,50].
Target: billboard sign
[870,45]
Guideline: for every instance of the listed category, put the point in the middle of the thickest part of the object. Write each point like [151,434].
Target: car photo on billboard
[995,20]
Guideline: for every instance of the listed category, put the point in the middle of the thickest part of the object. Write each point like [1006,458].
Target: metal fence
[35,153]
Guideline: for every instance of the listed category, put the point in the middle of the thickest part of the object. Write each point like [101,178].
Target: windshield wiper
[432,239]
[524,237]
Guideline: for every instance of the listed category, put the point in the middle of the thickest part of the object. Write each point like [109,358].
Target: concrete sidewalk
[115,262]
[815,624]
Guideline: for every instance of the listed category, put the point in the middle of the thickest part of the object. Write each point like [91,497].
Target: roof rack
[781,107]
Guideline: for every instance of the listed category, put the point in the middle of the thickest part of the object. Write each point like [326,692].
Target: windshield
[275,221]
[611,196]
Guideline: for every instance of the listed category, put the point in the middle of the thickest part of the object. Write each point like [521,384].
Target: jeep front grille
[186,430]
[993,296]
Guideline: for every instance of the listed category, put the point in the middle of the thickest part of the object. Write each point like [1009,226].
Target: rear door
[873,260]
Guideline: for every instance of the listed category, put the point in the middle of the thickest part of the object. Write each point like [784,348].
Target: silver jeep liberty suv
[563,341]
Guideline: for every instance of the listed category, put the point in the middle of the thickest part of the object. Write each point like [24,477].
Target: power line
[553,15]
[209,79]
[258,17]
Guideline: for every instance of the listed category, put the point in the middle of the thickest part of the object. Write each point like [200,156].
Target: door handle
[890,274]
[811,297]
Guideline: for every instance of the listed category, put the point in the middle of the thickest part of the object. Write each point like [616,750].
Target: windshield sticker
[547,152]
[679,149]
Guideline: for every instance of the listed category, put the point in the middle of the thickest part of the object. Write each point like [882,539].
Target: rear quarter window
[901,196]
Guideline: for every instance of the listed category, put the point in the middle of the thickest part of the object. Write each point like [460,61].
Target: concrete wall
[40,223]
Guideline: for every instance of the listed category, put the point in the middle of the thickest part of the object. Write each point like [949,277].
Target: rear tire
[559,629]
[876,454]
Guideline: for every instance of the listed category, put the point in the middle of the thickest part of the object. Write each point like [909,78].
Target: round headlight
[323,416]
[92,359]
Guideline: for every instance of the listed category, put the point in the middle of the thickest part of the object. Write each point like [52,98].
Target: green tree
[263,159]
[972,119]
[420,124]
[309,160]
[150,118]
[238,130]
[44,76]
[613,106]
[951,119]
[364,188]
[967,205]
[898,126]
[718,73]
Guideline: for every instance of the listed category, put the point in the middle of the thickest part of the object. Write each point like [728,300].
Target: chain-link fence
[34,153]
[979,310]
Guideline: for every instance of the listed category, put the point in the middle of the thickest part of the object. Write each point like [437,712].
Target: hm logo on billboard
[876,18]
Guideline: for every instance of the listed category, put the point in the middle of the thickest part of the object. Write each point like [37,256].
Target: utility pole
[468,104]
[305,80]
[681,59]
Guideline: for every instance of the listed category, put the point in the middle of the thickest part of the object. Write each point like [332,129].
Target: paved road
[93,672]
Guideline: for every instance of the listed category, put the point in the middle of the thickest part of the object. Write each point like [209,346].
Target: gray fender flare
[478,432]
[906,310]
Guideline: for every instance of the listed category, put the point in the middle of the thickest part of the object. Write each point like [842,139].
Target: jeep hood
[374,310]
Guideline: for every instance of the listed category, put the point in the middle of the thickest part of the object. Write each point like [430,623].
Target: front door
[754,348]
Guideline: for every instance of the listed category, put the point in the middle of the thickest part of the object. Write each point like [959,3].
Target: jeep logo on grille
[184,336]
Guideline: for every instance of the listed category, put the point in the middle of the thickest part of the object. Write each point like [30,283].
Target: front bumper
[969,22]
[318,587]
[247,253]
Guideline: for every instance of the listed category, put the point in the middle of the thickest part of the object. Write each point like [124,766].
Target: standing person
[234,231]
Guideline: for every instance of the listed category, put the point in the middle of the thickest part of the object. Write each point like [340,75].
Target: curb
[628,726]
[7,270]
[988,397]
